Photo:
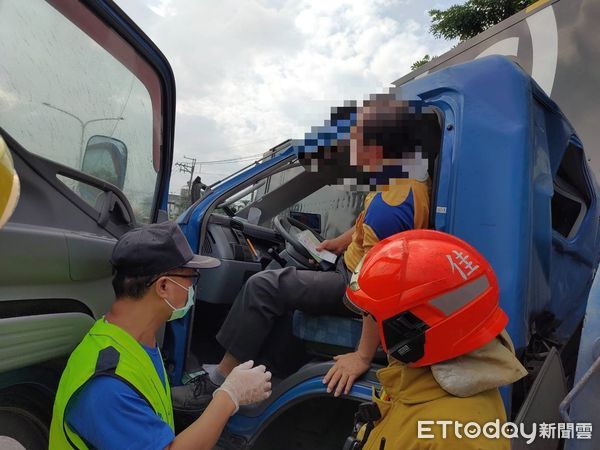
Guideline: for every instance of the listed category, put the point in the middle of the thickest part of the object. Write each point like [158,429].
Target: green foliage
[474,16]
[469,19]
[424,60]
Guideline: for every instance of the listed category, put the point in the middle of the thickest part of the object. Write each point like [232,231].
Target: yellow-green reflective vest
[107,350]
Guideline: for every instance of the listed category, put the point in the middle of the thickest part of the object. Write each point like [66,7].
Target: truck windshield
[86,101]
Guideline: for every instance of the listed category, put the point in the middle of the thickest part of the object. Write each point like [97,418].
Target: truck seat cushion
[332,330]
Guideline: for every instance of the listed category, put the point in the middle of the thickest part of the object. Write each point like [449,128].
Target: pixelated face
[375,145]
[383,136]
[365,152]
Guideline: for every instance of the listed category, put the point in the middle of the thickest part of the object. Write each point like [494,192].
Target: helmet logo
[461,263]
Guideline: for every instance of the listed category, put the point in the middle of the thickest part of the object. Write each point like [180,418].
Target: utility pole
[83,124]
[188,167]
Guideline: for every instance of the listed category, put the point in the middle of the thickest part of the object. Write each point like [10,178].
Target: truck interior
[283,201]
[253,228]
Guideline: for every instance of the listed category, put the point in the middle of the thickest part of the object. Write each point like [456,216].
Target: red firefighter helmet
[433,296]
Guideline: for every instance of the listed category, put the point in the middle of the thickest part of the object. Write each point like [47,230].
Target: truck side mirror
[311,220]
[106,158]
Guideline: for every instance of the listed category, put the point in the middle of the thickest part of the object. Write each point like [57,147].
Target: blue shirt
[403,206]
[108,414]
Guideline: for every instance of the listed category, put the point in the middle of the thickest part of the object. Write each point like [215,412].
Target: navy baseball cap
[156,249]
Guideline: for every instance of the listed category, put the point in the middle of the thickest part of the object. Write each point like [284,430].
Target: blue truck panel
[508,158]
[504,142]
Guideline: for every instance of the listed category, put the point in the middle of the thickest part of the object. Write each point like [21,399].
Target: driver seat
[327,336]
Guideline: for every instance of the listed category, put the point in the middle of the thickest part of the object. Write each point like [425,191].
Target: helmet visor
[352,307]
[354,287]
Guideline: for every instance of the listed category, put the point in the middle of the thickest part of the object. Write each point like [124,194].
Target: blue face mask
[178,313]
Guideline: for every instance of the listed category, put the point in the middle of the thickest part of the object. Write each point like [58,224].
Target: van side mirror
[106,158]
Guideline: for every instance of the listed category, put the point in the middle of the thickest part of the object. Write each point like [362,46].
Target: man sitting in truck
[378,140]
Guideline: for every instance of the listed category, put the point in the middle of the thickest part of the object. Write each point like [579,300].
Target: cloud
[252,74]
[163,8]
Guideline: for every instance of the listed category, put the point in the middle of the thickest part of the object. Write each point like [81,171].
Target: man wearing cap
[114,391]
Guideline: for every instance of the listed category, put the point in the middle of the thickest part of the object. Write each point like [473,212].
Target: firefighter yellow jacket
[413,394]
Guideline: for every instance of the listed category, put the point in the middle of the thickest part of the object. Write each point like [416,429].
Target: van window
[86,101]
[571,198]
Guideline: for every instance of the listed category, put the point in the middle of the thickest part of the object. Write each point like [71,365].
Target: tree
[473,17]
[424,60]
[469,19]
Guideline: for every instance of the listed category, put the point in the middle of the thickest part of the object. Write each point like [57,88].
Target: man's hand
[333,245]
[339,244]
[246,384]
[345,371]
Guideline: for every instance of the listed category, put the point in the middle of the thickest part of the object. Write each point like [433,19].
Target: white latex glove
[246,384]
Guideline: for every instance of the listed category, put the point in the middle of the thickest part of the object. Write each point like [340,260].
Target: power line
[220,174]
[246,144]
[231,160]
[133,78]
[236,146]
[187,168]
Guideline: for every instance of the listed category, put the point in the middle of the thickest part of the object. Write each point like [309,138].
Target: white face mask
[178,313]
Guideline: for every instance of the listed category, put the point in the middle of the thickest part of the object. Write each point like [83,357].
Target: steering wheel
[284,224]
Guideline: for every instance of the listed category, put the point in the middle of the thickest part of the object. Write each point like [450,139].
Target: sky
[252,74]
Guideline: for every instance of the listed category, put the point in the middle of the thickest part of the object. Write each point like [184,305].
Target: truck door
[87,113]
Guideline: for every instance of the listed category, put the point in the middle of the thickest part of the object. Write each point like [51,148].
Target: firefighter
[434,300]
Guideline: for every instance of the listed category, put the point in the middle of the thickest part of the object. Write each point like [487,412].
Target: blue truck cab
[87,111]
[510,177]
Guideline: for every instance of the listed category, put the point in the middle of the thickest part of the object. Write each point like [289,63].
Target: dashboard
[243,249]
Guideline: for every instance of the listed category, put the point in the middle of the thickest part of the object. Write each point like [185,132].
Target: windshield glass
[306,196]
[253,196]
[331,210]
[89,102]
